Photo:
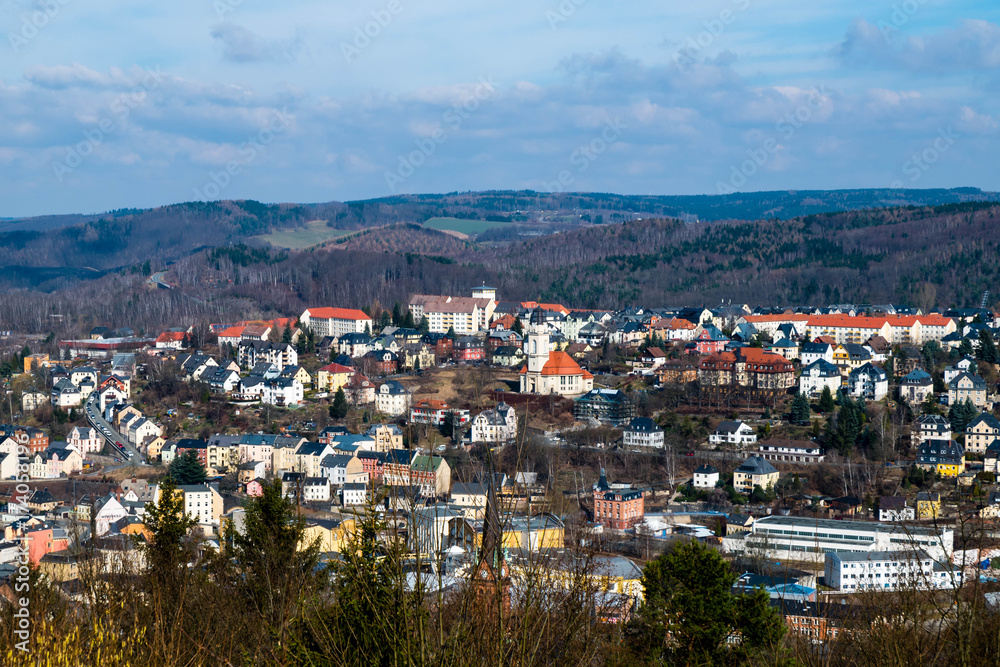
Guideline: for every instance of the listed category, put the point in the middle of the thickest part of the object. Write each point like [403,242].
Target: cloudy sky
[127,103]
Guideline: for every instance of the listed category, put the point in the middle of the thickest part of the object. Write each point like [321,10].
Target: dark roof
[706,469]
[757,466]
[643,425]
[891,503]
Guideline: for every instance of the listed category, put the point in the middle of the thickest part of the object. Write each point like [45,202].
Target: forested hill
[927,256]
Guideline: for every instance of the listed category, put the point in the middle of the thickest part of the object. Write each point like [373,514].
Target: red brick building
[746,369]
[618,509]
[373,463]
[29,437]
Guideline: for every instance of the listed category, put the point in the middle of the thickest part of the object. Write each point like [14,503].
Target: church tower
[537,341]
[491,577]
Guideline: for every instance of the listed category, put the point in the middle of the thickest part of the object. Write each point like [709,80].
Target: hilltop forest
[68,278]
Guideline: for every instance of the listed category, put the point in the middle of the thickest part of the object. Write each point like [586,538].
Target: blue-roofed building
[916,386]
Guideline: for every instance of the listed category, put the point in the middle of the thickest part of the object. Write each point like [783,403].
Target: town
[827,454]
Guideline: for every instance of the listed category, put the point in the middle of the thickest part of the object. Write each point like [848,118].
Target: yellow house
[755,471]
[154,448]
[928,505]
[302,375]
[221,459]
[331,535]
[607,574]
[842,359]
[333,377]
[946,457]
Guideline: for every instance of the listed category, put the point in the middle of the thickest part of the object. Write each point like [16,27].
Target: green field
[470,227]
[314,233]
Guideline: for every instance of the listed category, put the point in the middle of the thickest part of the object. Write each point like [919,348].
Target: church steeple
[491,578]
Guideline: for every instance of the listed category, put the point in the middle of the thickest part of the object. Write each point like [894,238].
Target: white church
[549,372]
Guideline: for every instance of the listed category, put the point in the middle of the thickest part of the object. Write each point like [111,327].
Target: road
[156,280]
[108,432]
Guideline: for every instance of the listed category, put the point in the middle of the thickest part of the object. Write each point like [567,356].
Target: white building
[735,433]
[392,399]
[813,352]
[31,400]
[868,382]
[354,493]
[816,376]
[549,372]
[807,539]
[335,322]
[643,432]
[84,439]
[496,425]
[203,503]
[888,571]
[791,451]
[705,477]
[286,392]
[316,489]
[894,509]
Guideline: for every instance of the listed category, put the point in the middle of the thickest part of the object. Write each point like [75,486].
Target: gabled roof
[918,376]
[560,363]
[985,418]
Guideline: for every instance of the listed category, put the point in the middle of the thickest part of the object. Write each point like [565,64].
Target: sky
[108,104]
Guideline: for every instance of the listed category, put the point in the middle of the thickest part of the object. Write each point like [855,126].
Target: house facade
[643,432]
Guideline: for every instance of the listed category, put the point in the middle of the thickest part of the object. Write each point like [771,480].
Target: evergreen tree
[286,335]
[826,404]
[690,611]
[961,414]
[168,525]
[965,348]
[800,409]
[517,327]
[397,315]
[987,347]
[408,321]
[451,333]
[271,568]
[338,410]
[187,469]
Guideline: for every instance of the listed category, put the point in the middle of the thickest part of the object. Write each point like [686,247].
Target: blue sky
[108,104]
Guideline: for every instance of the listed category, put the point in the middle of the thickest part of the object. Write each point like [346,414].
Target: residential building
[355,345]
[933,427]
[868,382]
[928,505]
[316,490]
[888,571]
[992,457]
[705,477]
[429,411]
[382,362]
[84,439]
[755,471]
[353,494]
[335,322]
[471,497]
[203,503]
[497,425]
[817,376]
[791,451]
[385,436]
[252,352]
[393,399]
[468,349]
[332,377]
[916,387]
[946,457]
[970,387]
[32,400]
[746,370]
[373,463]
[610,406]
[642,432]
[808,539]
[342,469]
[733,433]
[359,390]
[463,315]
[431,474]
[616,508]
[981,432]
[895,509]
[966,364]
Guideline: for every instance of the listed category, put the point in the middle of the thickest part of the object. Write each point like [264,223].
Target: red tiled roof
[170,336]
[338,369]
[232,332]
[337,314]
[560,363]
[783,317]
